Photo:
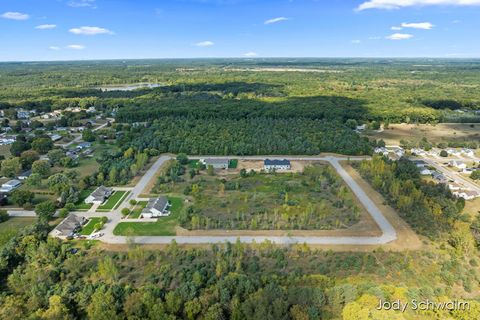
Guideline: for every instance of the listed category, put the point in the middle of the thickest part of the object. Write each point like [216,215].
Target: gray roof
[216,162]
[101,193]
[12,183]
[283,162]
[159,204]
[69,224]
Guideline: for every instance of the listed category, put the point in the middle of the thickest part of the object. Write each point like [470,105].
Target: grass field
[81,205]
[114,200]
[87,166]
[316,199]
[442,132]
[137,210]
[12,226]
[164,226]
[90,226]
[5,151]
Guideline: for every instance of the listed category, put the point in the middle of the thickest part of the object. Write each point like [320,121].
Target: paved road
[388,232]
[21,213]
[452,175]
[78,137]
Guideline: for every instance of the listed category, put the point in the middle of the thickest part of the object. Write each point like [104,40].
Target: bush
[104,220]
[4,215]
[125,212]
[443,153]
[475,175]
[63,212]
[133,202]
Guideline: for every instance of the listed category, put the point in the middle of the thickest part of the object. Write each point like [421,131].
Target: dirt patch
[257,165]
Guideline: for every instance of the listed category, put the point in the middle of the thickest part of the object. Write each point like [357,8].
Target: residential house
[55,137]
[439,177]
[270,165]
[454,186]
[454,152]
[466,194]
[425,172]
[381,150]
[418,151]
[216,163]
[24,175]
[99,195]
[156,208]
[11,185]
[457,164]
[467,152]
[420,163]
[69,226]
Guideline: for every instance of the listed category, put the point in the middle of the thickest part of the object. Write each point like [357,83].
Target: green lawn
[81,205]
[164,226]
[138,209]
[233,164]
[113,201]
[12,226]
[90,226]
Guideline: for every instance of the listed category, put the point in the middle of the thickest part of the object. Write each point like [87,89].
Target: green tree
[11,167]
[59,183]
[4,215]
[57,310]
[102,305]
[210,170]
[88,135]
[27,158]
[182,158]
[475,175]
[56,156]
[35,180]
[125,212]
[22,197]
[42,145]
[45,210]
[41,167]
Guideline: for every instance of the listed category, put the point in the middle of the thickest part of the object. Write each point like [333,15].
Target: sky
[39,30]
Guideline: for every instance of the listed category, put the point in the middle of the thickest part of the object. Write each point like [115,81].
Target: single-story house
[381,150]
[468,152]
[216,163]
[457,164]
[453,152]
[24,175]
[84,145]
[420,163]
[157,207]
[270,165]
[99,195]
[361,127]
[425,172]
[69,226]
[418,151]
[466,194]
[56,137]
[439,177]
[454,186]
[11,185]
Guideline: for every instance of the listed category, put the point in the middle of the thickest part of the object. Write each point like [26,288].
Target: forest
[44,278]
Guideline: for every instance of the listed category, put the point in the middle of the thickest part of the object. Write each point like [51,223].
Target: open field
[316,199]
[9,228]
[113,201]
[90,226]
[81,205]
[164,226]
[442,132]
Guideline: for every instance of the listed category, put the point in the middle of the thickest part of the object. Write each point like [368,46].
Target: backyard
[9,228]
[90,226]
[164,226]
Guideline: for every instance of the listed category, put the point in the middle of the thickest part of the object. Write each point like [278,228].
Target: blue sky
[121,29]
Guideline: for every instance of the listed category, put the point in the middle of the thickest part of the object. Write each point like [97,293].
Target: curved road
[388,232]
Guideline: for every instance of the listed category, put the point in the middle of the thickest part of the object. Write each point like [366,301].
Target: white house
[216,163]
[454,152]
[99,195]
[425,172]
[466,194]
[156,208]
[457,164]
[361,127]
[381,150]
[270,165]
[468,152]
[454,186]
[10,185]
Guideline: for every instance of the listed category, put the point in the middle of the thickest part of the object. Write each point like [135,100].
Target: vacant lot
[316,199]
[442,132]
[164,226]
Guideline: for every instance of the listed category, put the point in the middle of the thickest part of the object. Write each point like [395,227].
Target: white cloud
[374,38]
[418,25]
[396,28]
[397,4]
[54,48]
[400,36]
[76,47]
[90,31]
[204,44]
[46,26]
[250,54]
[82,3]
[356,41]
[275,20]
[15,16]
